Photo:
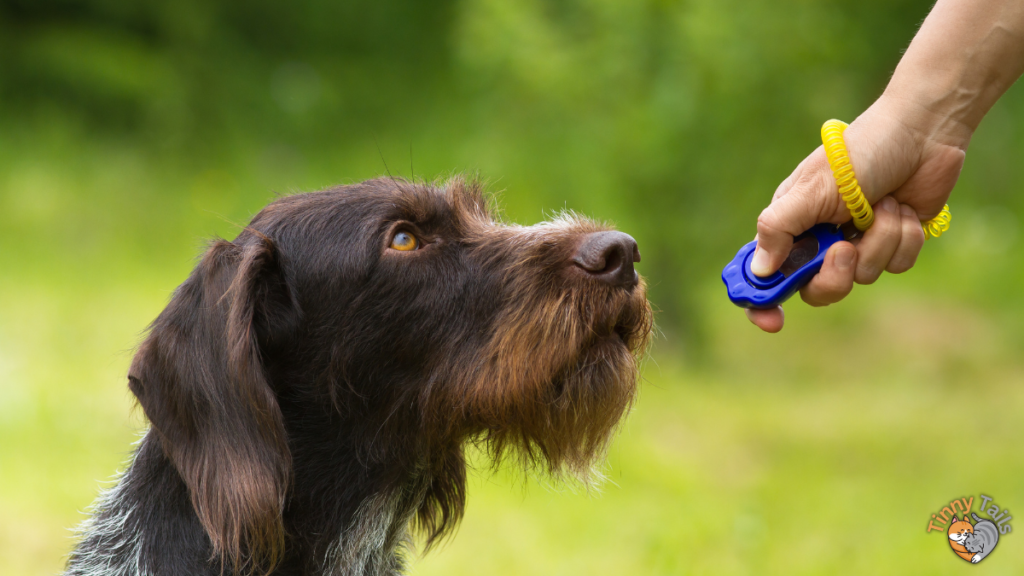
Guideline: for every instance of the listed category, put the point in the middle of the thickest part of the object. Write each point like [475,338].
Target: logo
[972,541]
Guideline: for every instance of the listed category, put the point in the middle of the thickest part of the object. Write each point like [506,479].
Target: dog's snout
[609,257]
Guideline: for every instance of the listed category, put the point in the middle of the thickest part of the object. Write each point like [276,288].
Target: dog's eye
[404,241]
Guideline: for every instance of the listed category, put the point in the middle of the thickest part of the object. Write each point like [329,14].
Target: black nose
[609,257]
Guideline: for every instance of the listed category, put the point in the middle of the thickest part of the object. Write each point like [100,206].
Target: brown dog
[312,385]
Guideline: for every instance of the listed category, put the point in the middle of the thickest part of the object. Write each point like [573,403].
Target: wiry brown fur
[202,385]
[312,389]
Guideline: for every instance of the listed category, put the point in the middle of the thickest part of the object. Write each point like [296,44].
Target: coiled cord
[936,226]
[849,189]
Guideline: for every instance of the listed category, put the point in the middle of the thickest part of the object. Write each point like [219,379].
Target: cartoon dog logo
[973,542]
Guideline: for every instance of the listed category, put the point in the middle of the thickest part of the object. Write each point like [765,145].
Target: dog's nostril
[609,257]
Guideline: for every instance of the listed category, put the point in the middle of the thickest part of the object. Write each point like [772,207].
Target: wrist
[932,113]
[893,142]
[882,142]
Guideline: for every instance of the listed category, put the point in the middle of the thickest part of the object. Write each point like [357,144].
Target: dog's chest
[376,541]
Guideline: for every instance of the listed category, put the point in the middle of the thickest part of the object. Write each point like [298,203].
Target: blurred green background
[130,132]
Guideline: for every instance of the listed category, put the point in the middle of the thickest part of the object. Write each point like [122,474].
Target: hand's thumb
[761,264]
[786,217]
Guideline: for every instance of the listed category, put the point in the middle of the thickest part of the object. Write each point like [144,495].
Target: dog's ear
[200,379]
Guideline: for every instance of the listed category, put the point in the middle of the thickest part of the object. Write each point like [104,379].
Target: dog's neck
[349,506]
[342,517]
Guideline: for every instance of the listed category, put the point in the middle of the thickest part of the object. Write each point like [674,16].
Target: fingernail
[844,257]
[759,265]
[907,211]
[889,205]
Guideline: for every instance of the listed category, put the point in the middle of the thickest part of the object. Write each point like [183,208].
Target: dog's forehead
[455,203]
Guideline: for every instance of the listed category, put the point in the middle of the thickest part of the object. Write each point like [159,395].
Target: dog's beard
[556,378]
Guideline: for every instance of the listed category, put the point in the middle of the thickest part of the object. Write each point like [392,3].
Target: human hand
[906,169]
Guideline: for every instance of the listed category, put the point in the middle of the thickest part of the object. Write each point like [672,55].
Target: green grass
[821,450]
[835,471]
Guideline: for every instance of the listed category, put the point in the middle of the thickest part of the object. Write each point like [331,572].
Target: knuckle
[783,188]
[887,224]
[819,299]
[913,234]
[811,299]
[813,190]
[899,266]
[894,226]
[825,291]
[867,274]
[767,223]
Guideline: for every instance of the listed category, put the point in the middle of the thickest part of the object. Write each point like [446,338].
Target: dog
[313,385]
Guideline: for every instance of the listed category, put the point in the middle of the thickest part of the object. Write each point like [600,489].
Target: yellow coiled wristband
[936,226]
[849,189]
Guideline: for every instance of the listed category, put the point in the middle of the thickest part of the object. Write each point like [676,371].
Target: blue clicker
[749,291]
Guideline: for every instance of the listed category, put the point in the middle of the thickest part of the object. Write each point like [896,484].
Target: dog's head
[408,307]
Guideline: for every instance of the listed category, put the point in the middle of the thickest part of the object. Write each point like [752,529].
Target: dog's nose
[609,257]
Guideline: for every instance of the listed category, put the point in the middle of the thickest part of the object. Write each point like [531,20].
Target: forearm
[965,56]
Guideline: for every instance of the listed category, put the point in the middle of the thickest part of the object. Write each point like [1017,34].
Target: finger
[927,190]
[805,165]
[807,200]
[767,320]
[879,242]
[835,280]
[911,242]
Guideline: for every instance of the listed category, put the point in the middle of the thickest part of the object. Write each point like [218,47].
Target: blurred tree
[675,119]
[187,71]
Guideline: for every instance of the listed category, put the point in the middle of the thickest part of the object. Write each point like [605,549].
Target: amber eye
[404,241]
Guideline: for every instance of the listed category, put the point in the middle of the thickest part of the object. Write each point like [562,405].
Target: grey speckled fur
[983,540]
